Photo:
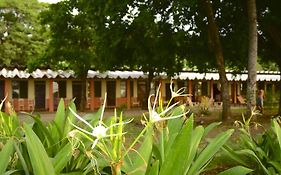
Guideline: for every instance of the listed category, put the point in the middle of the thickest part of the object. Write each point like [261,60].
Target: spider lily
[99,131]
[178,93]
[154,116]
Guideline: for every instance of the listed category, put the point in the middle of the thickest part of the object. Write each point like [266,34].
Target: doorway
[142,94]
[77,93]
[2,89]
[2,92]
[111,93]
[40,95]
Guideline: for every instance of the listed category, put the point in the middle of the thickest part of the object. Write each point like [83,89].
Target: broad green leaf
[5,155]
[42,130]
[69,118]
[234,155]
[60,118]
[195,141]
[176,125]
[154,169]
[73,173]
[276,165]
[10,172]
[211,127]
[179,151]
[277,130]
[21,158]
[251,153]
[238,170]
[212,148]
[142,156]
[62,158]
[40,161]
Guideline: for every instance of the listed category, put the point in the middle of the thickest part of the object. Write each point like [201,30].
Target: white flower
[154,116]
[179,93]
[99,131]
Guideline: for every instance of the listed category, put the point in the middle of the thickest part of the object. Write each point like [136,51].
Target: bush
[261,153]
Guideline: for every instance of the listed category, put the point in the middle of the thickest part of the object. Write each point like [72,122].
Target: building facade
[42,89]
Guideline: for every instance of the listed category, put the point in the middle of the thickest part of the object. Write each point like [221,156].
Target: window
[97,88]
[20,89]
[123,89]
[59,89]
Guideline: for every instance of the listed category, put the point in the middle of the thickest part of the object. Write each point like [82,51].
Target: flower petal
[169,108]
[83,130]
[95,143]
[80,118]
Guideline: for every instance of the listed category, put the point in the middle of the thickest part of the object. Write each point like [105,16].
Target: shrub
[261,153]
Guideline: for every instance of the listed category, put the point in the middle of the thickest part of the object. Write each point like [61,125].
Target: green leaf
[40,127]
[70,118]
[72,173]
[154,169]
[234,155]
[238,170]
[10,172]
[40,161]
[276,165]
[277,130]
[142,156]
[179,151]
[21,158]
[195,141]
[60,118]
[62,158]
[252,153]
[210,127]
[209,152]
[5,155]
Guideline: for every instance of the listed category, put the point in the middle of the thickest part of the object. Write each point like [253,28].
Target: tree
[109,35]
[270,34]
[146,41]
[21,37]
[252,56]
[204,48]
[216,45]
[73,44]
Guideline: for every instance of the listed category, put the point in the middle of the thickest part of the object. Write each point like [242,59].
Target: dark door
[142,93]
[77,92]
[2,92]
[111,93]
[2,89]
[40,94]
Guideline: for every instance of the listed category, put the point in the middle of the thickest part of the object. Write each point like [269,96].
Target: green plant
[204,106]
[121,108]
[260,153]
[92,144]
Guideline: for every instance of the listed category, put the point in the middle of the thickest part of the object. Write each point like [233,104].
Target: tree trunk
[83,92]
[252,56]
[216,45]
[147,89]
